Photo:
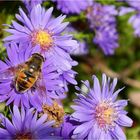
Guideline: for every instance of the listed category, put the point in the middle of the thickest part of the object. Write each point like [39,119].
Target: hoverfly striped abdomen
[28,75]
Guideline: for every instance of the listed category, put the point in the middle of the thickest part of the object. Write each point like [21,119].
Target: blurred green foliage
[126,55]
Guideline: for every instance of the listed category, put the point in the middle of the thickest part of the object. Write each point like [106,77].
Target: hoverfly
[25,75]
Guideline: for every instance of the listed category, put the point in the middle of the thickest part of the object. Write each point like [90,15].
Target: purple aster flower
[25,124]
[102,20]
[100,113]
[47,86]
[41,31]
[72,6]
[107,39]
[101,15]
[134,19]
[29,4]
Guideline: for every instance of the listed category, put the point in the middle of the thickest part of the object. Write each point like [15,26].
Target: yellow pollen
[54,112]
[43,39]
[105,115]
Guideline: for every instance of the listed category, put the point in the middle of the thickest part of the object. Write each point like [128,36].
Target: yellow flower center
[105,115]
[42,38]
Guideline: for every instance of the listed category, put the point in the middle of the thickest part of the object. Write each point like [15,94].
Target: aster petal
[20,28]
[90,135]
[15,37]
[16,118]
[61,63]
[3,132]
[125,10]
[32,119]
[11,99]
[135,21]
[121,103]
[48,69]
[14,59]
[118,133]
[36,102]
[81,128]
[5,88]
[60,28]
[21,57]
[13,31]
[3,98]
[95,133]
[124,121]
[105,136]
[132,19]
[17,101]
[41,120]
[56,22]
[104,80]
[82,134]
[81,117]
[46,17]
[115,94]
[67,43]
[62,53]
[96,88]
[9,126]
[27,52]
[20,18]
[34,12]
[82,109]
[25,100]
[3,65]
[40,11]
[70,79]
[84,103]
[27,21]
[113,85]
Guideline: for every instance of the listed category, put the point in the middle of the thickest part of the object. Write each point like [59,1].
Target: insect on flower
[26,74]
[28,78]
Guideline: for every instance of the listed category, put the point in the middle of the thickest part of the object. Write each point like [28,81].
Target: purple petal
[124,121]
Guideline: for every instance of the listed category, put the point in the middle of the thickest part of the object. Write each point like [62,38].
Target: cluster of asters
[102,20]
[34,80]
[134,6]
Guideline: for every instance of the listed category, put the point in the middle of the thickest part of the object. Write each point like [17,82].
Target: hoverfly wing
[7,74]
[41,87]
